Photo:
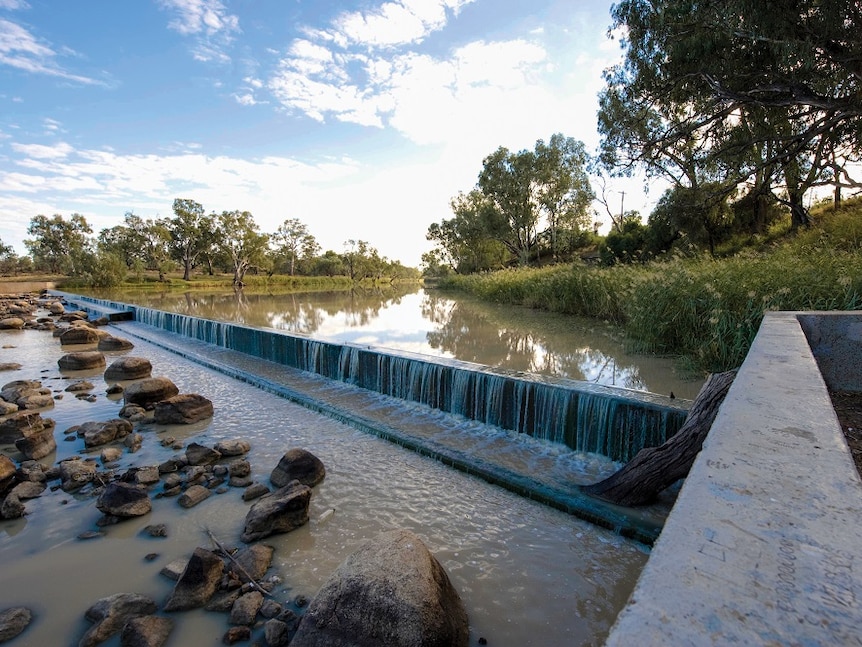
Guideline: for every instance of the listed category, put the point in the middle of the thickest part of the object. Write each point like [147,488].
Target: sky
[361,119]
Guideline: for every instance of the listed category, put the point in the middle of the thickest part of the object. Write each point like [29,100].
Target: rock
[35,399]
[222,602]
[270,608]
[254,491]
[11,323]
[236,447]
[15,389]
[79,335]
[156,530]
[146,631]
[7,408]
[11,508]
[133,442]
[239,468]
[133,413]
[7,470]
[110,455]
[75,474]
[80,385]
[81,361]
[252,561]
[9,366]
[281,511]
[201,455]
[276,633]
[193,495]
[145,475]
[100,433]
[129,368]
[13,621]
[37,444]
[244,610]
[149,391]
[56,308]
[124,500]
[18,425]
[393,592]
[183,409]
[236,634]
[111,343]
[198,582]
[28,490]
[300,465]
[111,614]
[175,569]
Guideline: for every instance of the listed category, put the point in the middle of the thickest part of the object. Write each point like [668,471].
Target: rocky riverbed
[156,470]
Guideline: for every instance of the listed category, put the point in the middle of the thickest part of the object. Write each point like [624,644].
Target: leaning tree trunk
[654,468]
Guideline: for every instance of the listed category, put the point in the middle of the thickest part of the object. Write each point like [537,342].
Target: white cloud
[396,23]
[22,50]
[209,22]
[13,5]
[41,152]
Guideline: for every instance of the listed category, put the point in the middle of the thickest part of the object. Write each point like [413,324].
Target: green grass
[703,310]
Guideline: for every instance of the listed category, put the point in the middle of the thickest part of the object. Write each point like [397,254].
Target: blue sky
[361,119]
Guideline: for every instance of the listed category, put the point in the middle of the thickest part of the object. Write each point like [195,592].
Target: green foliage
[59,245]
[702,309]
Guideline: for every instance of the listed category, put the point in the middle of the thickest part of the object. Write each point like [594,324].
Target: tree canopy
[723,93]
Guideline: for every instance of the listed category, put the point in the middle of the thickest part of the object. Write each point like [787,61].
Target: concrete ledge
[764,544]
[94,309]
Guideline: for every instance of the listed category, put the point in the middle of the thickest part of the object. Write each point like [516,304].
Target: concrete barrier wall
[764,544]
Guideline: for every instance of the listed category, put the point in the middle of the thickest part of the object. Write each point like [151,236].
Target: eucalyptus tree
[293,241]
[59,245]
[562,187]
[239,239]
[463,242]
[741,87]
[188,230]
[357,259]
[139,242]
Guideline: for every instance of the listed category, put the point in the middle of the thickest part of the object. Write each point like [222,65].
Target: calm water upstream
[442,324]
[529,575]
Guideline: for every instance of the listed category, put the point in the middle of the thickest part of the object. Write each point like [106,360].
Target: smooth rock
[11,323]
[82,360]
[28,490]
[124,500]
[393,592]
[79,386]
[254,491]
[110,455]
[100,433]
[11,507]
[111,343]
[149,391]
[300,465]
[236,447]
[79,335]
[129,368]
[9,366]
[278,512]
[183,409]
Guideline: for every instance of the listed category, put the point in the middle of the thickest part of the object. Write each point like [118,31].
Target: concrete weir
[763,544]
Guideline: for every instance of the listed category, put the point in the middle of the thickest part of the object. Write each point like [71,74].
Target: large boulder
[298,465]
[146,631]
[13,621]
[110,615]
[281,511]
[128,368]
[18,425]
[393,592]
[197,454]
[199,581]
[149,391]
[75,473]
[37,444]
[234,447]
[13,390]
[183,409]
[81,361]
[124,500]
[79,335]
[11,323]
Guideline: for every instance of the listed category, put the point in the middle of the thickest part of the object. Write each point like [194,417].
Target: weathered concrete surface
[836,340]
[762,546]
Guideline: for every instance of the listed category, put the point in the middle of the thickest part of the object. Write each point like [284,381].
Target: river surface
[442,324]
[528,574]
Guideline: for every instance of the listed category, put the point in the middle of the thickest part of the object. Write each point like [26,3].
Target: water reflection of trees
[526,341]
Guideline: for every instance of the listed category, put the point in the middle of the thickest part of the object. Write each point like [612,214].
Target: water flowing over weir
[585,417]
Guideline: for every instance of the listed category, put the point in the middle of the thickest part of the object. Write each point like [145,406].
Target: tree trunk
[640,480]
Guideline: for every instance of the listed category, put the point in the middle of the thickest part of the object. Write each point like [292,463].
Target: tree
[293,242]
[59,245]
[562,188]
[239,239]
[463,241]
[357,259]
[188,233]
[743,86]
[139,242]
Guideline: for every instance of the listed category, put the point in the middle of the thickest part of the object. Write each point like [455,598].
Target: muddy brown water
[528,574]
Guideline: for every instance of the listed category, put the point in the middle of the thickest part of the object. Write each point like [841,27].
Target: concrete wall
[764,544]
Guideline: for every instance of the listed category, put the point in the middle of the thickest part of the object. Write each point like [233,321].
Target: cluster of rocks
[392,591]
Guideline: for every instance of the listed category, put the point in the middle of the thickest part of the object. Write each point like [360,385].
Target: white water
[528,575]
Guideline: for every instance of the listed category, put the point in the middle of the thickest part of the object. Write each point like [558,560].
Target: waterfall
[584,416]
